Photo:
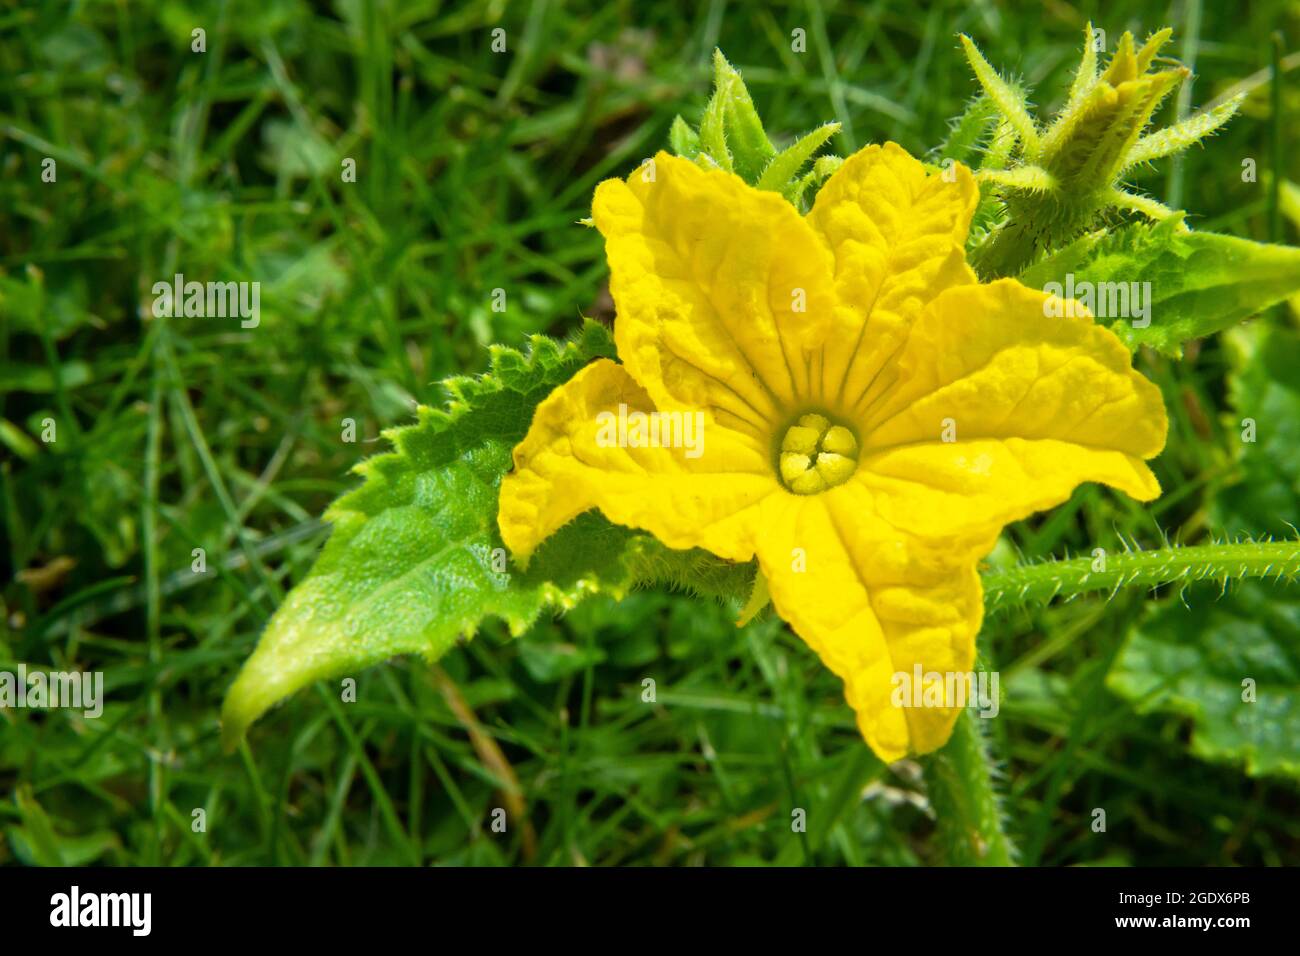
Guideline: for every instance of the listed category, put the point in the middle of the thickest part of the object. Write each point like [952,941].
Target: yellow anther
[801,439]
[840,440]
[809,483]
[816,455]
[818,423]
[793,465]
[835,469]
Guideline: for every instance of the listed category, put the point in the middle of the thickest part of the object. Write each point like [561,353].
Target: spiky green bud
[1057,183]
[731,137]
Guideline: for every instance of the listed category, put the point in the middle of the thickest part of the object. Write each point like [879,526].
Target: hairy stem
[1040,583]
[967,806]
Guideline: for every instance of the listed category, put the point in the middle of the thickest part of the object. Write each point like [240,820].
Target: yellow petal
[938,488]
[718,288]
[874,602]
[897,234]
[574,459]
[1030,405]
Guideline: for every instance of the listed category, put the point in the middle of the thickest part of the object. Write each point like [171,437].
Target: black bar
[439,905]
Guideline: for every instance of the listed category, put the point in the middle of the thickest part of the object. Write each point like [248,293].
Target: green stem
[967,807]
[1040,583]
[960,777]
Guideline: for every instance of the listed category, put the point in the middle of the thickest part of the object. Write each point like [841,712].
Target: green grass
[473,168]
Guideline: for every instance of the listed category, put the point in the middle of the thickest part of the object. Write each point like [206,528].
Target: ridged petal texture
[970,407]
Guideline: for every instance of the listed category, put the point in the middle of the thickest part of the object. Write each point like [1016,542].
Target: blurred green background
[472,170]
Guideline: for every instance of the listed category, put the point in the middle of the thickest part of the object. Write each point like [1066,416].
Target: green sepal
[751,150]
[683,140]
[781,174]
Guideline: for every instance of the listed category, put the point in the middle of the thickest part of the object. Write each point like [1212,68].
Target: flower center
[817,454]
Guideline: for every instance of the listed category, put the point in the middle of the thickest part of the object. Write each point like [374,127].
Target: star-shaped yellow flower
[872,415]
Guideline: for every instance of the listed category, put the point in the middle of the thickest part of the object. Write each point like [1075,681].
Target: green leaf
[415,561]
[779,176]
[1194,661]
[37,836]
[1263,432]
[750,148]
[1200,282]
[548,662]
[683,140]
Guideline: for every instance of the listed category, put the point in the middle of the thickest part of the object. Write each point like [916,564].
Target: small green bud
[1062,182]
[731,137]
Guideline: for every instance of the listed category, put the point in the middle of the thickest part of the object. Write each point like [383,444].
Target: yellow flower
[872,415]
